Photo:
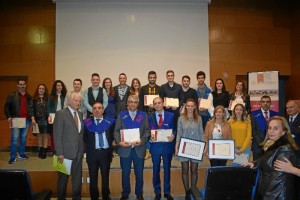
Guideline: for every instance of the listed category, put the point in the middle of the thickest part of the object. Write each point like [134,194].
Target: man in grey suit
[132,151]
[68,143]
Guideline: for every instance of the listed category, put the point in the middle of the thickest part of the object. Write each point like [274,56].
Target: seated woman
[278,144]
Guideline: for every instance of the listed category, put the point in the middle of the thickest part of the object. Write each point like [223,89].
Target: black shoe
[157,197]
[187,195]
[12,161]
[23,157]
[168,196]
[44,152]
[140,197]
[106,198]
[124,198]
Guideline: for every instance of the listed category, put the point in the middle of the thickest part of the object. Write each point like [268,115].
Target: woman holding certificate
[218,129]
[278,145]
[189,126]
[241,133]
[40,118]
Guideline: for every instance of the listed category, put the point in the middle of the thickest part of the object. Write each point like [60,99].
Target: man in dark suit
[293,118]
[132,151]
[68,143]
[259,120]
[98,139]
[161,119]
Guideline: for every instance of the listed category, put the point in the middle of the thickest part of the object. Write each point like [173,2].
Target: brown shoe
[148,154]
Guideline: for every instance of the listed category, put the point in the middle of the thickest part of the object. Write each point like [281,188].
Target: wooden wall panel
[248,36]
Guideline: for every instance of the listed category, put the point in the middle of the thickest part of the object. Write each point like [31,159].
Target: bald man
[293,118]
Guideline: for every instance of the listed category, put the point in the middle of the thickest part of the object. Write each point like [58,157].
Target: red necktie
[266,116]
[160,122]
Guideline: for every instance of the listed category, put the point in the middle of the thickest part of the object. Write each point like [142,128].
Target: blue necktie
[101,143]
[291,121]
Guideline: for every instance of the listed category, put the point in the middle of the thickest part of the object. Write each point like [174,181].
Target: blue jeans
[17,133]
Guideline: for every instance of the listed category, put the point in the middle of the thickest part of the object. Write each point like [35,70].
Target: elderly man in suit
[68,143]
[294,119]
[132,151]
[259,120]
[161,119]
[98,138]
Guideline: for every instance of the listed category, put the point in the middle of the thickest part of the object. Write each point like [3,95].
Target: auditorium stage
[44,176]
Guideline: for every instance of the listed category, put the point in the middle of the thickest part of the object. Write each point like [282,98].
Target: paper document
[64,167]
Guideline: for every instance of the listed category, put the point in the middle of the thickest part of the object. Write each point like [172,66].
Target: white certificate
[204,103]
[18,122]
[241,159]
[130,135]
[221,149]
[52,116]
[161,135]
[171,102]
[233,103]
[191,148]
[35,128]
[148,99]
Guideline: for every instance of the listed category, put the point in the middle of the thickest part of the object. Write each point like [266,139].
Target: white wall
[134,38]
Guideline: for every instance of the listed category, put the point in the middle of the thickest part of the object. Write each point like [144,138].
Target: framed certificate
[204,103]
[171,102]
[130,135]
[18,122]
[161,135]
[191,149]
[221,149]
[148,99]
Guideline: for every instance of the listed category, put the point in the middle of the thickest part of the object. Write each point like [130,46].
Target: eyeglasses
[135,102]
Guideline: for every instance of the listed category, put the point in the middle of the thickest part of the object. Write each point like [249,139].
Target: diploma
[52,116]
[161,135]
[241,159]
[130,135]
[148,99]
[233,103]
[35,128]
[221,149]
[64,167]
[191,148]
[171,102]
[204,103]
[18,122]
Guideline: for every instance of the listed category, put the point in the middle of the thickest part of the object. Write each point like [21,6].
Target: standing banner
[263,83]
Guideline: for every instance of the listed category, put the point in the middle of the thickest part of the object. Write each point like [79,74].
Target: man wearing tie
[161,119]
[259,120]
[98,139]
[132,151]
[68,143]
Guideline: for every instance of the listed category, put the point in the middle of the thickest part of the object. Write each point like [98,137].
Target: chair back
[229,183]
[15,184]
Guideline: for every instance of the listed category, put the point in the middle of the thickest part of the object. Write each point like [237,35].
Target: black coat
[276,185]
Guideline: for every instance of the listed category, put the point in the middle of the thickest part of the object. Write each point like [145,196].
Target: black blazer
[89,139]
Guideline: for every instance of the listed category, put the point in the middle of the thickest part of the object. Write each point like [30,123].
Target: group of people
[98,117]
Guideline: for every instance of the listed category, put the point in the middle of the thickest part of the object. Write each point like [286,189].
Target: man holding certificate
[19,113]
[172,94]
[162,146]
[131,134]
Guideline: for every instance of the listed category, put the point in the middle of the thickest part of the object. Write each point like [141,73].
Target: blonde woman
[278,144]
[218,129]
[241,131]
[189,126]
